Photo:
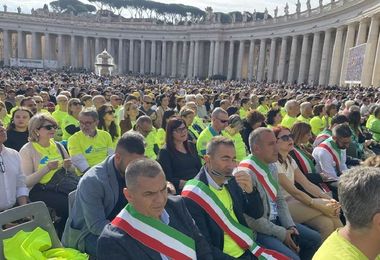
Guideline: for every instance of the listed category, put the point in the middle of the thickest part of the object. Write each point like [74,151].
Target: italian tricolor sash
[323,136]
[201,194]
[306,163]
[262,173]
[330,146]
[155,234]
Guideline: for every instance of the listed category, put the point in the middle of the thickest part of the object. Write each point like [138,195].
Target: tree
[75,6]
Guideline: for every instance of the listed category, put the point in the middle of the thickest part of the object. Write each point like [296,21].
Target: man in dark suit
[243,198]
[148,199]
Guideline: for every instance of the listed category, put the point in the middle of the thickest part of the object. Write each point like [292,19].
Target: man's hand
[244,180]
[171,188]
[289,241]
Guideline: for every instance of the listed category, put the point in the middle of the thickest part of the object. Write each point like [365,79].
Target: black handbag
[63,181]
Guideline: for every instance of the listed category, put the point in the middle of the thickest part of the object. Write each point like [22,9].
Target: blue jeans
[90,242]
[309,240]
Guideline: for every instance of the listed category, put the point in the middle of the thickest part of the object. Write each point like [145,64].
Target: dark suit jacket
[114,243]
[249,204]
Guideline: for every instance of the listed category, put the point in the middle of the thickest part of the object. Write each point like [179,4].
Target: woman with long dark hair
[17,131]
[178,158]
[107,122]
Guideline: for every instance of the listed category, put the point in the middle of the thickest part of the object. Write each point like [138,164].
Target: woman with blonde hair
[41,159]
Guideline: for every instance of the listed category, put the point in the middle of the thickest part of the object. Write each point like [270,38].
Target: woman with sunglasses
[178,157]
[41,157]
[107,122]
[70,124]
[319,211]
[17,131]
[232,131]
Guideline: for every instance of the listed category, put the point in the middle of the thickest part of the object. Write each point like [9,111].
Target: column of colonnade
[317,57]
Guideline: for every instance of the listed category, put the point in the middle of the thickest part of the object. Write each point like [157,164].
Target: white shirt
[12,180]
[288,172]
[326,164]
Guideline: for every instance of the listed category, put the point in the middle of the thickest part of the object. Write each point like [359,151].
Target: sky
[217,5]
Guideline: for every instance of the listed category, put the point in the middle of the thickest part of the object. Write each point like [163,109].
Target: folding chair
[40,217]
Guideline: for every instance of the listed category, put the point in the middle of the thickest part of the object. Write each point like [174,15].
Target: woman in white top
[319,211]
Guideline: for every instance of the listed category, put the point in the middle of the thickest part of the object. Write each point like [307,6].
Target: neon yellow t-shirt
[68,120]
[288,121]
[370,119]
[338,248]
[160,137]
[317,125]
[230,247]
[301,118]
[241,151]
[48,154]
[243,113]
[150,141]
[94,149]
[263,109]
[59,116]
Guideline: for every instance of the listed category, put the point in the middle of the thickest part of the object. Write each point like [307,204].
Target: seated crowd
[169,169]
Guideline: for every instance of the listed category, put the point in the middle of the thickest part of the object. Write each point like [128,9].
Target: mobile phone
[296,239]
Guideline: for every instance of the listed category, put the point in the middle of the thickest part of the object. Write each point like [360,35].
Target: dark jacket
[114,243]
[243,203]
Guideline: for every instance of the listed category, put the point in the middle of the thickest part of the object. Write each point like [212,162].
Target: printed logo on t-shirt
[44,160]
[89,149]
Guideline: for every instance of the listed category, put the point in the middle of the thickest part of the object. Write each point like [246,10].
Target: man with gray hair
[152,225]
[90,145]
[219,121]
[292,111]
[306,109]
[275,229]
[359,190]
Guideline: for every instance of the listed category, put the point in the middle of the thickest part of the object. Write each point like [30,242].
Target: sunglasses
[286,138]
[223,121]
[150,103]
[75,104]
[49,127]
[111,112]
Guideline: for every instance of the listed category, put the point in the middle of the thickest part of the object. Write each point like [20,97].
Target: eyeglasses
[111,112]
[86,123]
[49,127]
[2,166]
[286,138]
[223,121]
[180,129]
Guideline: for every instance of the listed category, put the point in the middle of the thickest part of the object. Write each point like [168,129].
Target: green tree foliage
[75,6]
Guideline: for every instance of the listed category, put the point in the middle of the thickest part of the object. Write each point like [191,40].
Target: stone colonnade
[317,57]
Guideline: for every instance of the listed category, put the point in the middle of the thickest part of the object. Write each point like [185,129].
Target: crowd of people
[254,170]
